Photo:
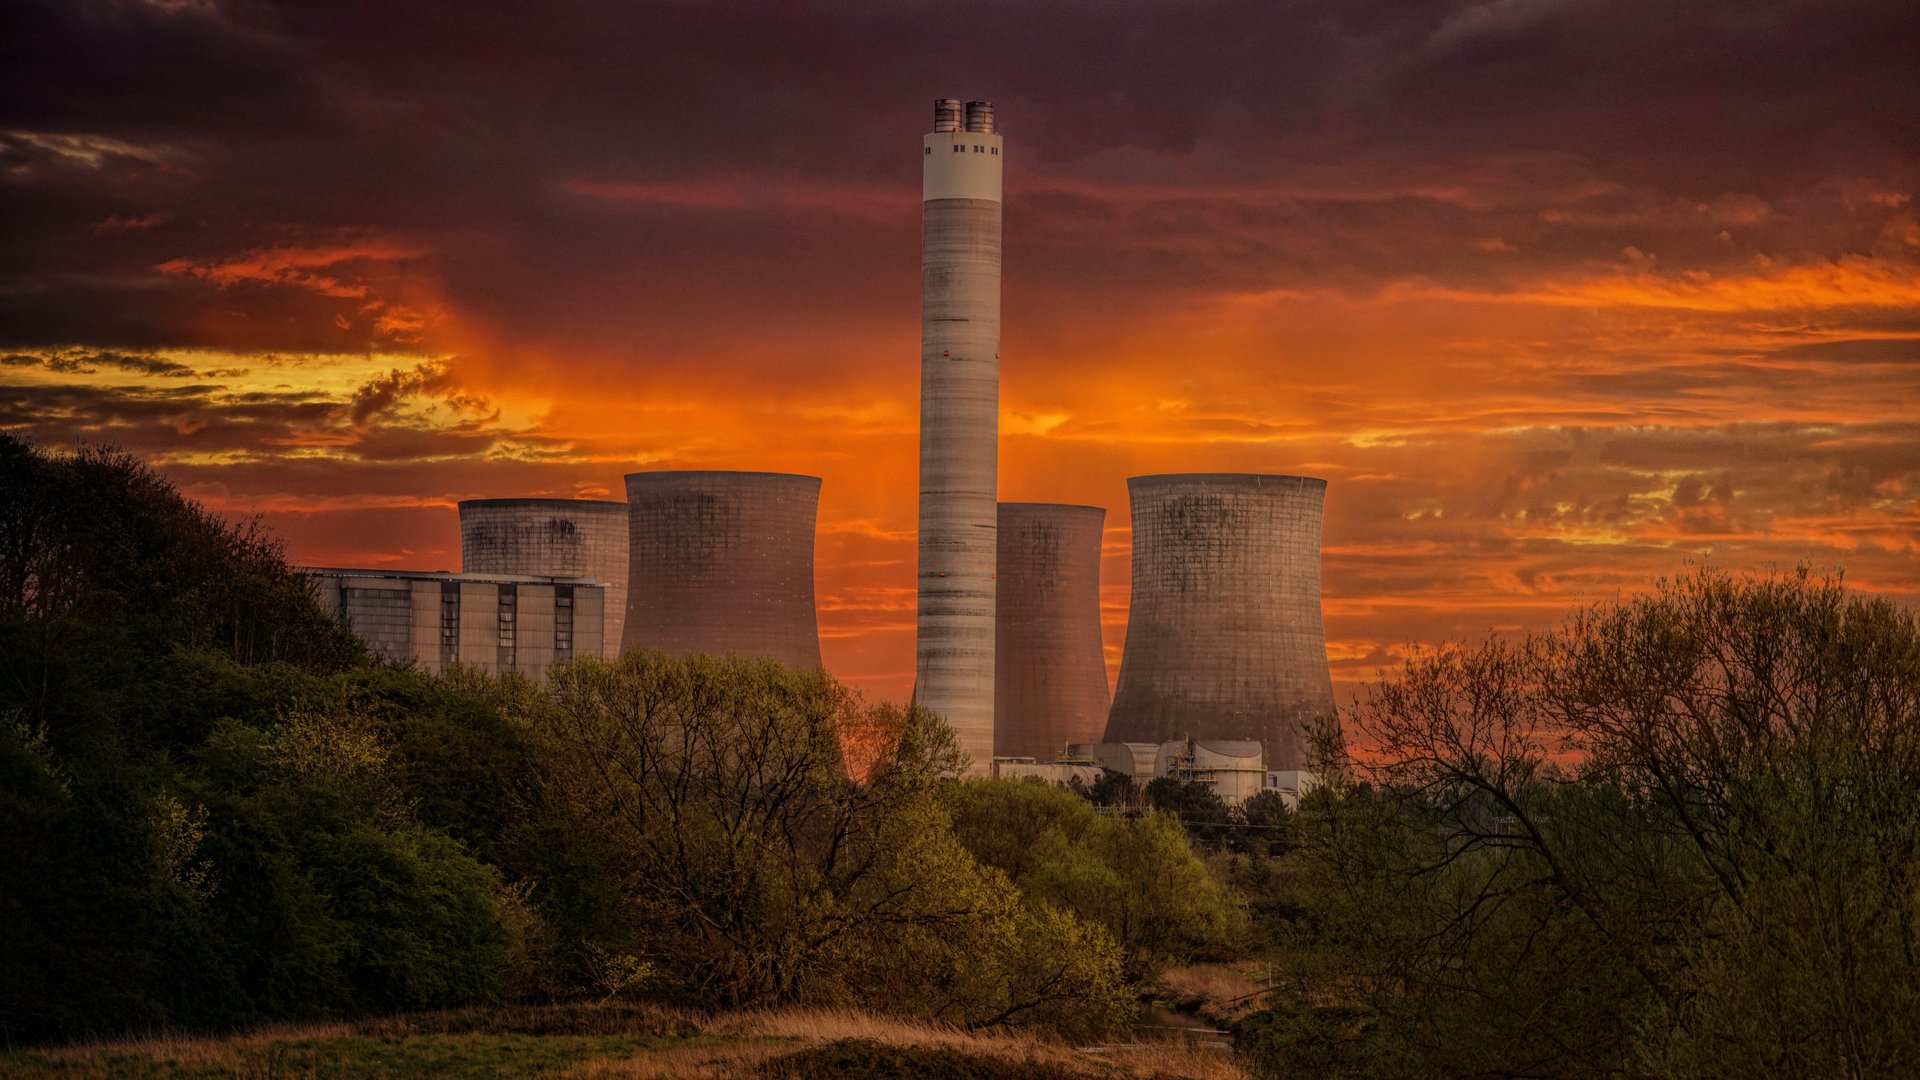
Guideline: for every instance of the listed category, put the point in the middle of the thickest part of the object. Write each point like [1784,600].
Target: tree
[758,871]
[1678,836]
[1135,876]
[167,858]
[97,538]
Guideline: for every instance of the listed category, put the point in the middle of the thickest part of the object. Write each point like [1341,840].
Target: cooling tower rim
[1242,480]
[1053,506]
[722,475]
[591,505]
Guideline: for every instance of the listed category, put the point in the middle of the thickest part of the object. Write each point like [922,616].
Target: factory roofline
[447,575]
[1250,479]
[541,502]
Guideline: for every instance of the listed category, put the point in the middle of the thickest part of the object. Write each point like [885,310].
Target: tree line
[216,809]
[1677,836]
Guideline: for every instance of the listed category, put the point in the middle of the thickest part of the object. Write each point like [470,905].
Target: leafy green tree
[1135,876]
[1265,819]
[1679,836]
[1113,789]
[207,807]
[96,538]
[755,869]
[1198,807]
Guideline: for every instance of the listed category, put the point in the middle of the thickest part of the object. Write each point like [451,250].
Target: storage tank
[574,538]
[1050,671]
[722,562]
[959,422]
[1224,638]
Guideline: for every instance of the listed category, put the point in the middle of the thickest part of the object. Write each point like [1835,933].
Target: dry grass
[623,1041]
[229,1053]
[1219,993]
[755,1038]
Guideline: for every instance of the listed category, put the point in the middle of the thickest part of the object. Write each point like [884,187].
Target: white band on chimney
[961,165]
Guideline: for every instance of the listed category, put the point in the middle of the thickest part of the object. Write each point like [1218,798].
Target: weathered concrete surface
[582,538]
[495,622]
[722,562]
[1224,639]
[1050,670]
[959,432]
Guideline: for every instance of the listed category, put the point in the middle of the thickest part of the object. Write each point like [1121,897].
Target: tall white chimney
[959,422]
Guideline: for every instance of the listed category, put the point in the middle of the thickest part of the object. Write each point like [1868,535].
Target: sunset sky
[1559,295]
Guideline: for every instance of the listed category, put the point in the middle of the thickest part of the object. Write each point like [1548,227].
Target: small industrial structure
[722,562]
[959,422]
[1224,639]
[576,538]
[1234,769]
[495,623]
[1133,760]
[1291,785]
[1050,669]
[1085,773]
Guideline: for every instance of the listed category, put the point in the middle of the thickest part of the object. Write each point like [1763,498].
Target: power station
[953,666]
[1223,630]
[1224,658]
[1050,669]
[722,562]
[577,538]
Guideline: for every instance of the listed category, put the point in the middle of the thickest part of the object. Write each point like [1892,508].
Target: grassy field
[627,1042]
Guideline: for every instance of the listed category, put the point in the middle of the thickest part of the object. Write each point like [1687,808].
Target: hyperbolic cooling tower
[722,562]
[959,421]
[1223,635]
[584,538]
[1050,671]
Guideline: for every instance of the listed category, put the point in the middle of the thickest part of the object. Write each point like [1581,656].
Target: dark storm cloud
[1507,272]
[1331,143]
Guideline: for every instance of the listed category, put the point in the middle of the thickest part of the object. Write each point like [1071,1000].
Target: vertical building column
[959,423]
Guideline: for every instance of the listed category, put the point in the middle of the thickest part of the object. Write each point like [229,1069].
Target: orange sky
[1548,330]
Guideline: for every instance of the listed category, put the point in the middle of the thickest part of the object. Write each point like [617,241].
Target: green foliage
[1678,837]
[1324,1042]
[753,869]
[1137,877]
[215,809]
[97,539]
[205,816]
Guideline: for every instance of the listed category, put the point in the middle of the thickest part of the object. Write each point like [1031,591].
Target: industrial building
[1224,639]
[1224,654]
[722,562]
[1050,669]
[1234,768]
[959,422]
[1085,773]
[574,538]
[496,623]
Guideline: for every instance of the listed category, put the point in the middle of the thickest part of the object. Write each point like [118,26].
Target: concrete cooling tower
[571,538]
[1050,672]
[1224,639]
[722,562]
[959,421]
